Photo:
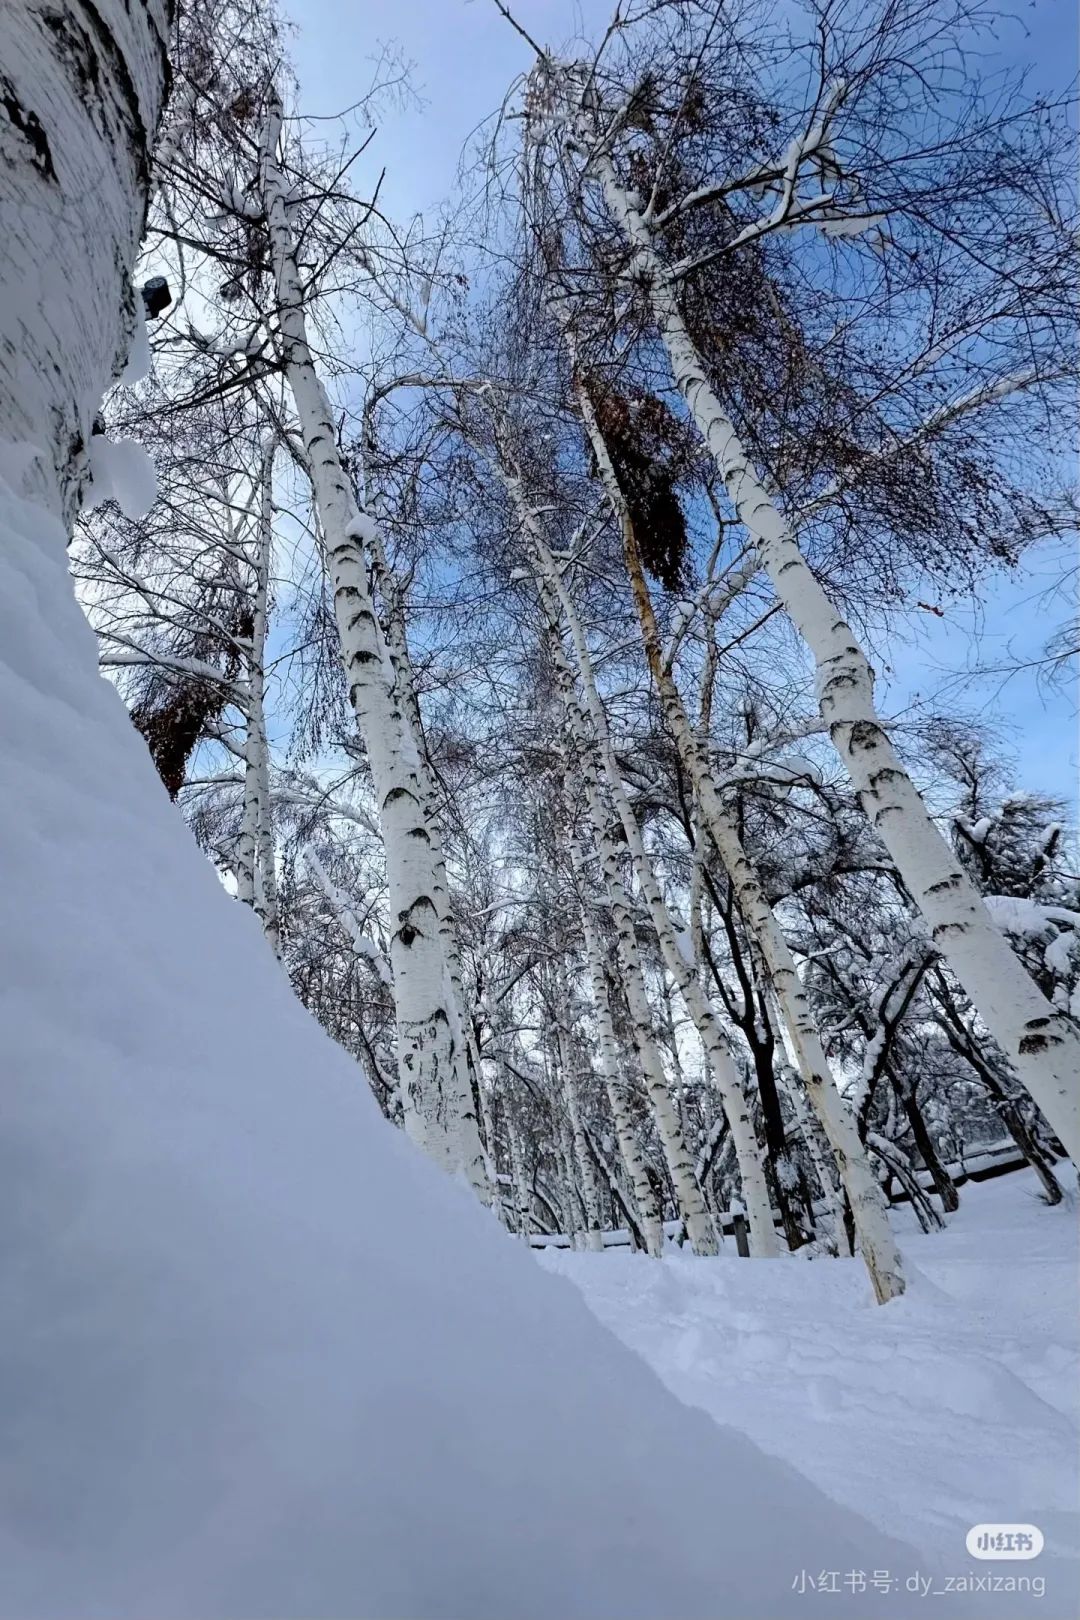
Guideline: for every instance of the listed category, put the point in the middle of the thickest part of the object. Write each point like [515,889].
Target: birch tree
[595,122]
[236,159]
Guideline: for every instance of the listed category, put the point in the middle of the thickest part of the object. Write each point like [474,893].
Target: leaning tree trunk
[82,86]
[556,602]
[721,1065]
[1039,1040]
[429,1074]
[648,1214]
[944,1185]
[877,1244]
[714,1044]
[1007,1104]
[895,1159]
[688,1195]
[256,863]
[689,1198]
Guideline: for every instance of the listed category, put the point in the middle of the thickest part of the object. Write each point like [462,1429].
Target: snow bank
[958,1404]
[258,1358]
[120,471]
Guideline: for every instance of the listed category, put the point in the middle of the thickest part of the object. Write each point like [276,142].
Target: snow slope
[959,1404]
[257,1358]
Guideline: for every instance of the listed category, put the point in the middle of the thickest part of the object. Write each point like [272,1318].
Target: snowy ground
[956,1405]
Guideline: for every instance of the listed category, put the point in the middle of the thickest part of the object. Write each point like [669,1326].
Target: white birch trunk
[571,1203]
[692,1207]
[82,93]
[721,1065]
[1038,1039]
[590,1194]
[429,1084]
[818,1148]
[648,1214]
[877,1244]
[256,867]
[478,1161]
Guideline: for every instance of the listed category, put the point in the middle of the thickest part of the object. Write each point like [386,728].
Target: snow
[139,358]
[851,224]
[259,1358]
[1019,915]
[238,202]
[955,1405]
[363,529]
[17,457]
[339,903]
[1058,954]
[120,471]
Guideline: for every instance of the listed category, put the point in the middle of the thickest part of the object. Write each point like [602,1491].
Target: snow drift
[258,1357]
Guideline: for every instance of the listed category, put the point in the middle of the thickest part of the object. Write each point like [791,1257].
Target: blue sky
[463,57]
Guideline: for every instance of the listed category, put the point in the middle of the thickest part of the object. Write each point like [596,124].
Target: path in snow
[957,1404]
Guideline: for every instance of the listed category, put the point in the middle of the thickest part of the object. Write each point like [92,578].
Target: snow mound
[258,1357]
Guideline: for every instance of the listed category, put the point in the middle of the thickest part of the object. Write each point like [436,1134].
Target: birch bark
[699,1222]
[878,1246]
[431,1101]
[647,1212]
[256,855]
[478,1157]
[590,1193]
[1039,1040]
[721,1066]
[522,1195]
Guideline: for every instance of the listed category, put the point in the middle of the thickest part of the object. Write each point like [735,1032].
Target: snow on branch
[360,944]
[810,151]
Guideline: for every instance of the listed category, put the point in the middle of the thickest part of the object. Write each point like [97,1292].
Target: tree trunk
[924,1142]
[586,1171]
[895,1159]
[256,878]
[868,1208]
[522,1194]
[689,1197]
[1039,1041]
[83,86]
[478,1158]
[1009,1107]
[648,1216]
[570,1200]
[721,1066]
[430,1078]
